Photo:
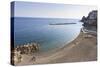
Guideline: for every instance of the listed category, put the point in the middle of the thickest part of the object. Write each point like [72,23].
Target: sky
[51,10]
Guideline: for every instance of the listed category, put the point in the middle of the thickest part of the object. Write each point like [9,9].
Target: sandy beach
[83,48]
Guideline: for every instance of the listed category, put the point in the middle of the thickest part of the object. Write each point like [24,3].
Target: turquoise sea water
[49,37]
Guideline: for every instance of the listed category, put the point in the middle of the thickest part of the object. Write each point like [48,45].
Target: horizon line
[46,17]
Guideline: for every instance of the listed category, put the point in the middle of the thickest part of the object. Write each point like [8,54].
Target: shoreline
[83,48]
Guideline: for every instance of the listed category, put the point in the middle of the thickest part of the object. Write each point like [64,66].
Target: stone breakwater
[27,49]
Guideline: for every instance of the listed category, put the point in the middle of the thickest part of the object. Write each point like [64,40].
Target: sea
[39,30]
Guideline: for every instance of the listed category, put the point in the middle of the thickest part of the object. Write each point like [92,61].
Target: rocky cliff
[90,22]
[26,49]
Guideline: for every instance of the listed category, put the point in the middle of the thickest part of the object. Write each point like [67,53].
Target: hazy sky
[49,10]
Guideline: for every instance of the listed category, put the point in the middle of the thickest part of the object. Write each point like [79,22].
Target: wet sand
[83,48]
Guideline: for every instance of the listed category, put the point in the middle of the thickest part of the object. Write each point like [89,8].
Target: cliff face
[90,20]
